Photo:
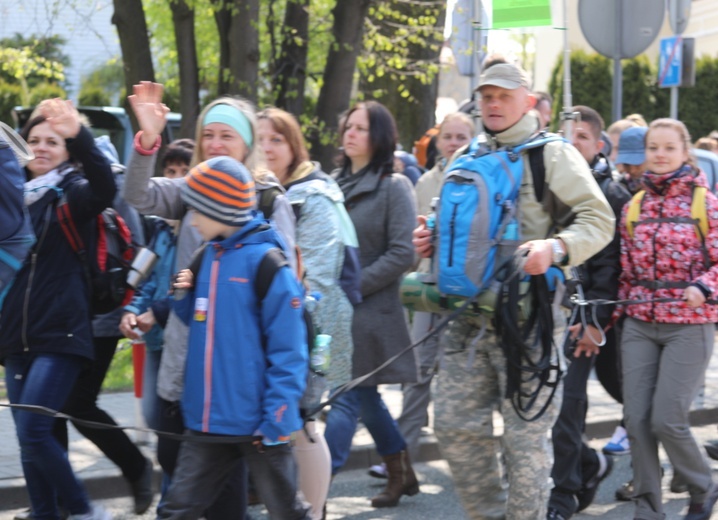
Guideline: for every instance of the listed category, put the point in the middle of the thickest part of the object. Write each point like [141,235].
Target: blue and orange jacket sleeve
[285,337]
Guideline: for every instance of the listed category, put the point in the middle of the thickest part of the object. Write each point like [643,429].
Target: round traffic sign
[620,28]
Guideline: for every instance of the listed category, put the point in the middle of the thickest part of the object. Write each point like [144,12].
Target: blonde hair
[254,159]
[680,128]
[461,118]
[618,127]
[637,119]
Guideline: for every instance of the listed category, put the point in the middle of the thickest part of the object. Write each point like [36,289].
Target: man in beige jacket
[567,226]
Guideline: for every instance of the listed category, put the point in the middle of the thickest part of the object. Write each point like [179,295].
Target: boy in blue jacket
[247,359]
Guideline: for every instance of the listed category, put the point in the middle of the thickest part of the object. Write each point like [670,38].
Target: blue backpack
[476,218]
[16,235]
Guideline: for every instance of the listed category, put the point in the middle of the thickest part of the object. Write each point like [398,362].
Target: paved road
[349,498]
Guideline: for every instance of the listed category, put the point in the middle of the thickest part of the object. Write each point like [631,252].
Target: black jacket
[599,275]
[47,308]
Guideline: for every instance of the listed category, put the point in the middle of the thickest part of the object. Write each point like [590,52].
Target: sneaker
[378,471]
[27,514]
[96,513]
[553,514]
[590,487]
[703,511]
[618,445]
[625,492]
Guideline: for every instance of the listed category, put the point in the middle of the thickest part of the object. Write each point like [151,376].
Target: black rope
[531,355]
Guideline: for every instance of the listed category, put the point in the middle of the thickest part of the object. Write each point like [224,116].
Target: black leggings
[82,404]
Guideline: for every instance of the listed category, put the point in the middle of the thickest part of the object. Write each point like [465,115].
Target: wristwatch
[559,255]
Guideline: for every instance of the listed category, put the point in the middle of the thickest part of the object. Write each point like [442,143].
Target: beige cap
[504,75]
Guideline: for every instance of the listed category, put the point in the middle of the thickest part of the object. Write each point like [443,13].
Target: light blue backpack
[477,221]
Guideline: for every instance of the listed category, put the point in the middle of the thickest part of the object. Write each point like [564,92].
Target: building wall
[91,39]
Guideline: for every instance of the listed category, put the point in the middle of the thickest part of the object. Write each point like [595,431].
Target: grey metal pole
[617,91]
[567,99]
[674,102]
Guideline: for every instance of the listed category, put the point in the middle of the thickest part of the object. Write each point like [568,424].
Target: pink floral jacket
[663,253]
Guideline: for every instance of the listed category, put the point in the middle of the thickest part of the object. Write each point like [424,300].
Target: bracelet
[143,151]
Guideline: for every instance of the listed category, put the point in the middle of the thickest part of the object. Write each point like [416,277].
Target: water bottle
[431,217]
[311,300]
[320,355]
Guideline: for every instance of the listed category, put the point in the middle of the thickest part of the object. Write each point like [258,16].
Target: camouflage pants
[466,399]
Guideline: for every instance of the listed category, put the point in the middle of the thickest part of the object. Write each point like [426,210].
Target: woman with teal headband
[227,126]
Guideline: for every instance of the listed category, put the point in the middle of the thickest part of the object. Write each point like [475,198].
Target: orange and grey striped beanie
[221,189]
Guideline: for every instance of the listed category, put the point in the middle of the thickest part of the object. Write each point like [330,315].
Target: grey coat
[383,210]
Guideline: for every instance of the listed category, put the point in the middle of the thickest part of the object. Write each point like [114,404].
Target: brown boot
[401,481]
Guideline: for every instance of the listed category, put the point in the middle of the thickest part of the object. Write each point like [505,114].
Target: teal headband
[233,117]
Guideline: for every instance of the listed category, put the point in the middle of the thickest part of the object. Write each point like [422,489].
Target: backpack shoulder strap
[538,171]
[67,224]
[699,213]
[273,260]
[634,211]
[265,204]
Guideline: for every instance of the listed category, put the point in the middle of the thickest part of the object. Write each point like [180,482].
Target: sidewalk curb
[103,484]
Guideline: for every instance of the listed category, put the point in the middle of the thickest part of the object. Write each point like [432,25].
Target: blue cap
[632,146]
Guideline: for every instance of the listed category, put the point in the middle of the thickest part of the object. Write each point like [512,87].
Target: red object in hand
[138,364]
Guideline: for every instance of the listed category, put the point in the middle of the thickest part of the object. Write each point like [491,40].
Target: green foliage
[164,50]
[108,79]
[93,96]
[46,49]
[591,76]
[25,66]
[46,91]
[590,83]
[10,96]
[698,106]
[120,375]
[402,41]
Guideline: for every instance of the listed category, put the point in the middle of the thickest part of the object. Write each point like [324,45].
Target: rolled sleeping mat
[420,296]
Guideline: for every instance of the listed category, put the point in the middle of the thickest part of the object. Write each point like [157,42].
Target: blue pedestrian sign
[670,62]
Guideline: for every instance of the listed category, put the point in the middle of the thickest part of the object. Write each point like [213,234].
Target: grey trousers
[417,396]
[663,366]
[202,469]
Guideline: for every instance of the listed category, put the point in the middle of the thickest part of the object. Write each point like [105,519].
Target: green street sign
[509,14]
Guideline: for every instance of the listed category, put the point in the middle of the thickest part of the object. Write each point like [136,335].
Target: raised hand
[151,113]
[62,116]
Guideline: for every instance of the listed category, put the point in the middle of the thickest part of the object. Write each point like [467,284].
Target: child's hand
[184,280]
[128,324]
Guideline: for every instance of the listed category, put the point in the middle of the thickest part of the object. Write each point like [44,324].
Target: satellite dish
[638,23]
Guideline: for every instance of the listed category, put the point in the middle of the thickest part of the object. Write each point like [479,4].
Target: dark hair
[543,96]
[287,125]
[31,123]
[592,118]
[382,136]
[178,151]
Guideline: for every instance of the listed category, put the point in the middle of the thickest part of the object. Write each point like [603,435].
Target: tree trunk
[237,27]
[291,68]
[338,76]
[183,20]
[244,49]
[129,17]
[223,18]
